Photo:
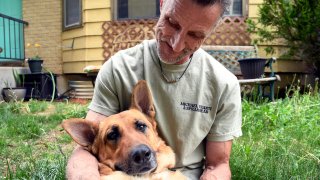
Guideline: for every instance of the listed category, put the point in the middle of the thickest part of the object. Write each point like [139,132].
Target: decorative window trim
[74,25]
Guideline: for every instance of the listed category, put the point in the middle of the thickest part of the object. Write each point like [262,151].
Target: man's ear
[142,99]
[82,131]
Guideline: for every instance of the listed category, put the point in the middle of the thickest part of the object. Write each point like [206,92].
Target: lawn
[32,143]
[281,139]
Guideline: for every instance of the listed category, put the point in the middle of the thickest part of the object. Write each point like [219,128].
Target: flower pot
[14,94]
[252,68]
[35,65]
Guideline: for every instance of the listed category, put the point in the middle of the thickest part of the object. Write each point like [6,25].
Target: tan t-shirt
[204,104]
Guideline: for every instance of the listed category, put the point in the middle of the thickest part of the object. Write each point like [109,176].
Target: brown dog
[127,144]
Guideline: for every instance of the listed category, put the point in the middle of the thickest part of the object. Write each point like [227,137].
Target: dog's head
[127,141]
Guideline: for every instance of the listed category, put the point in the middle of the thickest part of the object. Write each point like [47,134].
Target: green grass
[281,139]
[32,144]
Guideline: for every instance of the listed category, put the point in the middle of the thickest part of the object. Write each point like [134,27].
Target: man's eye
[197,35]
[140,126]
[114,134]
[173,23]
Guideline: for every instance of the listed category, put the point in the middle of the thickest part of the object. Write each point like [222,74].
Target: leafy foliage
[297,22]
[19,79]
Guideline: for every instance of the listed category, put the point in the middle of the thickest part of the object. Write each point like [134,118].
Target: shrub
[295,21]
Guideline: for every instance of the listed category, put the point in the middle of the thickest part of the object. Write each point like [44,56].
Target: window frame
[245,7]
[115,17]
[64,17]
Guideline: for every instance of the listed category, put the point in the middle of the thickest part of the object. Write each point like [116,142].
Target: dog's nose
[141,154]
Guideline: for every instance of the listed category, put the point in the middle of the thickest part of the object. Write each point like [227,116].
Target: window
[236,8]
[72,14]
[136,9]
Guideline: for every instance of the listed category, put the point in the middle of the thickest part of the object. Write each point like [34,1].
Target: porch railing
[11,38]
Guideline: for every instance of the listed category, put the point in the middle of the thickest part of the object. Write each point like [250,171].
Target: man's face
[182,28]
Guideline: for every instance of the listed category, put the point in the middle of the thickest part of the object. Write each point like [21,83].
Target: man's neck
[183,60]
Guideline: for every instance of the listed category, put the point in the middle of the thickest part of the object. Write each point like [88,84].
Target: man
[197,101]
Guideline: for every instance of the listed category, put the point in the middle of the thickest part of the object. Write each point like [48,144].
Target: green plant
[7,84]
[18,78]
[53,83]
[296,23]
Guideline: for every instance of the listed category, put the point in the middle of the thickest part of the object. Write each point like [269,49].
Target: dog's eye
[114,134]
[141,126]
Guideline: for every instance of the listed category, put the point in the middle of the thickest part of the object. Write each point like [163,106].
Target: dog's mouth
[141,161]
[135,171]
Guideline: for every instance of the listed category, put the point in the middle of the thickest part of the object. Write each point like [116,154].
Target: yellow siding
[96,15]
[96,4]
[94,28]
[83,46]
[74,55]
[78,55]
[253,10]
[255,1]
[77,67]
[73,33]
[82,42]
[95,54]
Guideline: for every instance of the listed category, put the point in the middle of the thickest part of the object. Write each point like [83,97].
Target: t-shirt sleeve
[105,99]
[228,120]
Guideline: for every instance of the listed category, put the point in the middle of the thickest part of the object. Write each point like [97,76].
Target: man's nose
[178,42]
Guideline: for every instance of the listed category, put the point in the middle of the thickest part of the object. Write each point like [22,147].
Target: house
[74,34]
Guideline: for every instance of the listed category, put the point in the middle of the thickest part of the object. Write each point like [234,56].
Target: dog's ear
[82,131]
[142,99]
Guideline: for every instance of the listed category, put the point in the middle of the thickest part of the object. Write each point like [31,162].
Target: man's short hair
[224,3]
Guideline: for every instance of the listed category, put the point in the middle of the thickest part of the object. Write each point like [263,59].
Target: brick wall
[44,17]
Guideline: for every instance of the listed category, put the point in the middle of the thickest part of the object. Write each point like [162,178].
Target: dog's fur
[127,144]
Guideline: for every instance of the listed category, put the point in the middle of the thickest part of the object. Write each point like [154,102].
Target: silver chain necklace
[177,79]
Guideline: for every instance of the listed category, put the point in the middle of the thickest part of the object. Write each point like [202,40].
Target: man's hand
[208,174]
[217,161]
[82,165]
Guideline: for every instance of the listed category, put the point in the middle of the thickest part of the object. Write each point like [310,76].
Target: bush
[295,21]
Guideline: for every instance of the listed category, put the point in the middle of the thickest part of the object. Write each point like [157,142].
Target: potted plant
[17,93]
[35,62]
[252,68]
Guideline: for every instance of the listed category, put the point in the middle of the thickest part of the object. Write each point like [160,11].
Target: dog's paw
[165,161]
[163,167]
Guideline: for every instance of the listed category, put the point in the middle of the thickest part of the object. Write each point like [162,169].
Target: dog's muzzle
[141,160]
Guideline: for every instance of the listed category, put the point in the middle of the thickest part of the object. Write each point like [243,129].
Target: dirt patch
[50,110]
[79,101]
[51,142]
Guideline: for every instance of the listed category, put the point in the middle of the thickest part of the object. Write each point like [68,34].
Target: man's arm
[82,164]
[217,160]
